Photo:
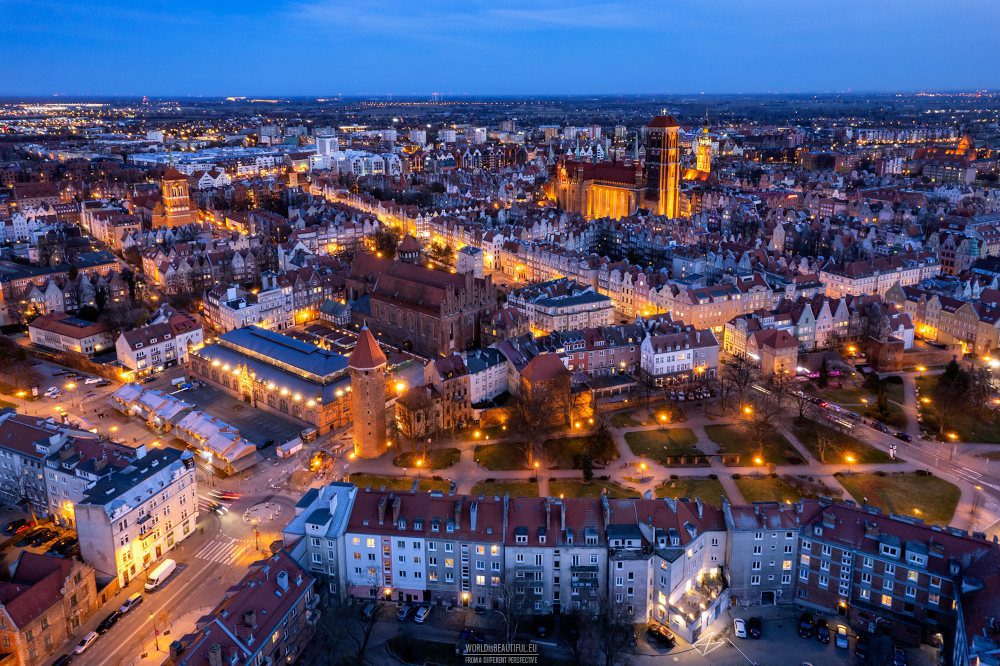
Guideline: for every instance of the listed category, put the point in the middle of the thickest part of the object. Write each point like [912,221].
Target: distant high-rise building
[663,166]
[327,145]
[367,365]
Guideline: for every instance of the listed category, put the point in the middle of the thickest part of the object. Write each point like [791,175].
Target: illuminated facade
[596,190]
[663,166]
[703,152]
[134,517]
[174,208]
[367,366]
[278,374]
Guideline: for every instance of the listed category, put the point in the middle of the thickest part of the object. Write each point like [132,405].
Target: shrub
[737,476]
[714,477]
[673,477]
[879,473]
[922,472]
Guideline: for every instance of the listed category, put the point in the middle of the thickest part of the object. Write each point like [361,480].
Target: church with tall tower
[618,189]
[174,209]
[367,366]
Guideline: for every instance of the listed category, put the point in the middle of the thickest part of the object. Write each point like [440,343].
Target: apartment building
[876,276]
[65,333]
[268,617]
[132,518]
[425,548]
[314,537]
[562,305]
[44,602]
[667,358]
[487,374]
[165,342]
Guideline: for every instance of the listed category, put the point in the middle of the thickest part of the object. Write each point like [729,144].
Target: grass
[767,489]
[895,418]
[927,497]
[559,453]
[701,487]
[404,483]
[501,488]
[592,489]
[992,456]
[839,445]
[501,457]
[894,392]
[967,425]
[4,405]
[775,449]
[658,444]
[624,420]
[435,458]
[845,395]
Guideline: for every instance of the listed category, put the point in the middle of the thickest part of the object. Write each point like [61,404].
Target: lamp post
[758,461]
[156,634]
[850,461]
[420,465]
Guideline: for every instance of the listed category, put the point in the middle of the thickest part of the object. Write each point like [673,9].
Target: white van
[53,392]
[160,574]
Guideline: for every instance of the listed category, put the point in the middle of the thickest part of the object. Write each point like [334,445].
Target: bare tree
[511,606]
[613,631]
[576,627]
[532,417]
[740,373]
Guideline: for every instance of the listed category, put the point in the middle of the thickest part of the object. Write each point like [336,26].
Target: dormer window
[152,341]
[889,551]
[521,538]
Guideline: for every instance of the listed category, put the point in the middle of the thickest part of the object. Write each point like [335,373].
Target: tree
[951,394]
[587,465]
[511,605]
[740,373]
[73,272]
[532,417]
[612,631]
[824,374]
[575,627]
[386,240]
[601,443]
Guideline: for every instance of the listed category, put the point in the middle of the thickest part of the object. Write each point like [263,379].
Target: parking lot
[43,538]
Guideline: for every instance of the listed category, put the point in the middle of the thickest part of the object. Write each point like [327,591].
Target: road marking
[223,552]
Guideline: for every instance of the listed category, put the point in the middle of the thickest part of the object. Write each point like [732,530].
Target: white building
[137,515]
[62,332]
[667,356]
[161,344]
[487,374]
[418,137]
[315,536]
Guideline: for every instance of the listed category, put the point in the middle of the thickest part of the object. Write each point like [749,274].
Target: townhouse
[314,537]
[66,333]
[668,358]
[876,276]
[163,343]
[562,304]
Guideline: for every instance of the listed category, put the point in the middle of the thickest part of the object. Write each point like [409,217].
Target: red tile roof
[367,354]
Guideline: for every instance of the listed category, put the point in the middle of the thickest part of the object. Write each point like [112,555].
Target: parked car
[92,380]
[843,639]
[42,537]
[26,538]
[108,622]
[18,526]
[422,613]
[903,436]
[898,656]
[368,611]
[806,625]
[52,392]
[405,612]
[754,627]
[740,627]
[467,634]
[881,427]
[63,660]
[823,631]
[61,546]
[861,647]
[86,642]
[657,633]
[130,603]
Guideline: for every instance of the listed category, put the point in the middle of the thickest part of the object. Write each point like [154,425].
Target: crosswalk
[223,551]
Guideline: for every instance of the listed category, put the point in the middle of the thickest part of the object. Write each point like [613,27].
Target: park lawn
[704,488]
[404,483]
[592,489]
[7,405]
[624,420]
[896,417]
[966,425]
[501,488]
[846,395]
[559,453]
[776,449]
[927,497]
[435,458]
[841,445]
[501,457]
[767,488]
[894,392]
[658,444]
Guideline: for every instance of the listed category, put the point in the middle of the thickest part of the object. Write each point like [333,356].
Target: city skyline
[474,49]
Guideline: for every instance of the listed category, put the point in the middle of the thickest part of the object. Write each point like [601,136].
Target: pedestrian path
[223,551]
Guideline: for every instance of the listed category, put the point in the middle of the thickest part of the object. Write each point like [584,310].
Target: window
[755,580]
[804,575]
[911,591]
[827,550]
[912,575]
[788,550]
[935,581]
[933,599]
[824,565]
[786,565]
[867,562]
[480,550]
[756,550]
[887,584]
[480,580]
[887,600]
[786,579]
[890,570]
[824,581]
[889,551]
[866,578]
[449,562]
[758,536]
[369,542]
[806,545]
[804,559]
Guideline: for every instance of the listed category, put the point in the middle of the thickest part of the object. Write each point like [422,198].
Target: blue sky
[376,47]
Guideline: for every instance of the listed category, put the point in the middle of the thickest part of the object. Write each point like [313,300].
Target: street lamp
[758,461]
[156,634]
[850,461]
[420,464]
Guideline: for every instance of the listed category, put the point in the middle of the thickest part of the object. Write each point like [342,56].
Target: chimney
[829,519]
[701,507]
[472,515]
[250,619]
[458,513]
[282,581]
[215,655]
[562,508]
[548,513]
[381,509]
[397,504]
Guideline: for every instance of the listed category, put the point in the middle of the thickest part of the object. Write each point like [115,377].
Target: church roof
[173,174]
[663,121]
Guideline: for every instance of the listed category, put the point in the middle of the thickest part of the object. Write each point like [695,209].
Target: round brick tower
[367,367]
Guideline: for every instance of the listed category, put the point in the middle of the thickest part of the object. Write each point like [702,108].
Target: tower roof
[173,174]
[367,354]
[663,121]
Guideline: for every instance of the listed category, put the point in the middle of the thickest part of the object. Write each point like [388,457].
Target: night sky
[502,47]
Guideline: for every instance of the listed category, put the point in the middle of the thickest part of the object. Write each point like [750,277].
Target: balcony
[699,599]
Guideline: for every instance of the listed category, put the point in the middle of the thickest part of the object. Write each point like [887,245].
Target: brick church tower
[174,208]
[367,365]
